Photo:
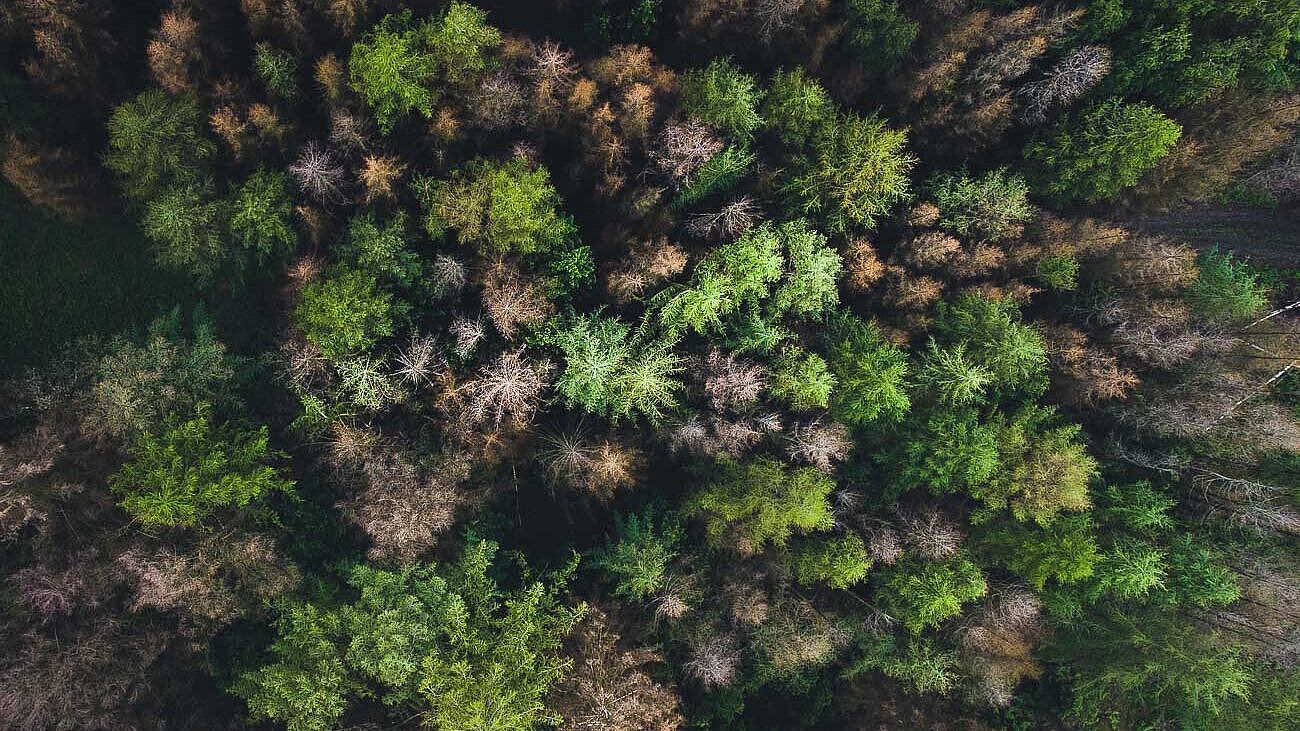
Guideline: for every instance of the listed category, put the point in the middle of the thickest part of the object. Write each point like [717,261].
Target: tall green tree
[923,594]
[869,372]
[721,95]
[992,339]
[392,69]
[1226,289]
[158,143]
[638,560]
[859,170]
[497,207]
[762,501]
[261,214]
[345,312]
[988,207]
[194,468]
[443,641]
[188,229]
[812,270]
[879,33]
[797,108]
[381,248]
[1101,152]
[607,371]
[1149,669]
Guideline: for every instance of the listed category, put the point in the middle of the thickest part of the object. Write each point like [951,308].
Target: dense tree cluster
[741,364]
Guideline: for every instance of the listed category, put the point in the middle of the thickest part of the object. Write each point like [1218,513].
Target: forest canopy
[642,365]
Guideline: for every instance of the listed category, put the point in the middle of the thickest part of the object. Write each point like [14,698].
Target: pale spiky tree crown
[728,222]
[931,533]
[552,63]
[682,148]
[466,334]
[348,131]
[714,661]
[731,383]
[319,173]
[419,361]
[507,390]
[513,301]
[497,102]
[820,445]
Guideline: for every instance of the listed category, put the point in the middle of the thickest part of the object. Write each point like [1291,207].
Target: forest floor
[1269,237]
[65,280]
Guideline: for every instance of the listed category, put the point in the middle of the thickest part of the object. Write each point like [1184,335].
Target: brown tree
[72,44]
[608,688]
[405,508]
[174,50]
[50,177]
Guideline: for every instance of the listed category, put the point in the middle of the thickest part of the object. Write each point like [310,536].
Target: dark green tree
[992,206]
[869,372]
[637,562]
[443,641]
[993,340]
[158,143]
[797,108]
[188,229]
[923,594]
[802,380]
[838,562]
[381,250]
[879,33]
[859,170]
[1226,289]
[607,371]
[497,207]
[278,70]
[392,69]
[261,214]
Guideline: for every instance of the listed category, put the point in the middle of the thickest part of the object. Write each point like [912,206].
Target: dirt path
[1263,236]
